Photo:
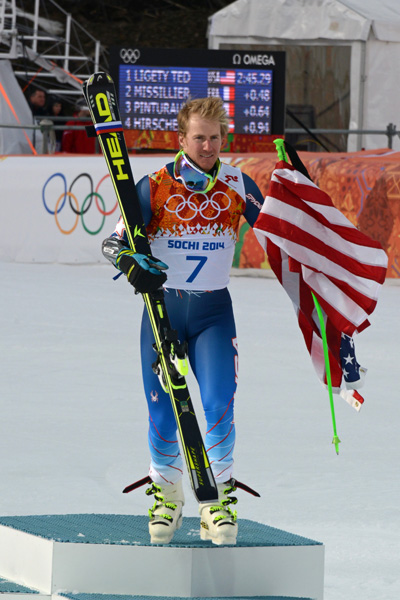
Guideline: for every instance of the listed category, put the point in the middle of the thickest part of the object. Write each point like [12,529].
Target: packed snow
[73,431]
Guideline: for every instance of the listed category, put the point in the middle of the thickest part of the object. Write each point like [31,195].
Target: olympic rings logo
[79,212]
[129,56]
[197,210]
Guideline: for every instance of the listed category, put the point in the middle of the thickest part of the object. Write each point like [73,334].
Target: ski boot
[218,522]
[166,512]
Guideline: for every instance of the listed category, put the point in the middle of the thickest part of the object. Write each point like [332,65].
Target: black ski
[171,362]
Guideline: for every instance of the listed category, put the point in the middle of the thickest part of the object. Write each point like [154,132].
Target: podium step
[105,556]
[13,591]
[114,597]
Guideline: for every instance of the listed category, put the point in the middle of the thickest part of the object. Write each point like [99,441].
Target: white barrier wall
[41,201]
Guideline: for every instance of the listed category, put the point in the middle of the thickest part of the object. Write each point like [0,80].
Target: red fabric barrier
[364,186]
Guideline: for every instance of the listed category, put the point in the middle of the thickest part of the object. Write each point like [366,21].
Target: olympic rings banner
[59,208]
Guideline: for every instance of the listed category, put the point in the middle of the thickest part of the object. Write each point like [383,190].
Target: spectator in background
[56,109]
[75,140]
[37,101]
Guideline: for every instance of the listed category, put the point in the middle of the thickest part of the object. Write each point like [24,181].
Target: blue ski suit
[194,233]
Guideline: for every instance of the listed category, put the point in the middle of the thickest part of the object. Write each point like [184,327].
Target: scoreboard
[153,84]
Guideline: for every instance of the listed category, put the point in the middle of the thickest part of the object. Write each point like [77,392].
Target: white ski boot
[218,522]
[166,512]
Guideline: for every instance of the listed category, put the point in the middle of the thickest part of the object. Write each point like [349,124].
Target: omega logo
[253,59]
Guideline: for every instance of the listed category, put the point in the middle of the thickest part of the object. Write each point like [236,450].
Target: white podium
[109,557]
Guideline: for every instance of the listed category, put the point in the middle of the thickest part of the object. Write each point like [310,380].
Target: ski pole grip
[280,148]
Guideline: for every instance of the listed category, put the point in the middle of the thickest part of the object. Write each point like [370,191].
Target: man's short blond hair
[211,108]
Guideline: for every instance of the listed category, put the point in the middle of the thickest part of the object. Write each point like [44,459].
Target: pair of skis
[171,362]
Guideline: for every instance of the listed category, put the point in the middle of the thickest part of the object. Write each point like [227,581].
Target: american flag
[228,78]
[312,247]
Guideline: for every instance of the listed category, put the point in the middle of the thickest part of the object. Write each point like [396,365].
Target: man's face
[38,98]
[202,141]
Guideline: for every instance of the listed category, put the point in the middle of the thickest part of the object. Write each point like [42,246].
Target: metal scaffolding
[56,54]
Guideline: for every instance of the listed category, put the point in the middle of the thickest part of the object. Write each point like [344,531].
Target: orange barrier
[364,186]
[10,106]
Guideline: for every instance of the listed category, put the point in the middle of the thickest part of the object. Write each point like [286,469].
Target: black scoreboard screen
[153,84]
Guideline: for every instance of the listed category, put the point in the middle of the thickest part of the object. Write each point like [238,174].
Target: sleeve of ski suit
[143,190]
[254,200]
[119,240]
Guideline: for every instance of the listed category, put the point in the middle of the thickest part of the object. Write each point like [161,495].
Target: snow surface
[73,428]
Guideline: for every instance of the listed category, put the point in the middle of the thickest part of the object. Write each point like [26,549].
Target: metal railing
[48,125]
[390,131]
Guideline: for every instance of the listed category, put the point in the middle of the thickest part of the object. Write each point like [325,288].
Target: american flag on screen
[228,78]
[313,247]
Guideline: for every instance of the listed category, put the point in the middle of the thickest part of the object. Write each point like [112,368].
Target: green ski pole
[335,440]
[280,148]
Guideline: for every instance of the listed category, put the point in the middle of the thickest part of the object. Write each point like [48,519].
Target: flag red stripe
[306,189]
[337,319]
[313,248]
[291,198]
[274,225]
[364,302]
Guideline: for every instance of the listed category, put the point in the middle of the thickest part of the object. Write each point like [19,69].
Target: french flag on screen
[229,109]
[228,78]
[228,93]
